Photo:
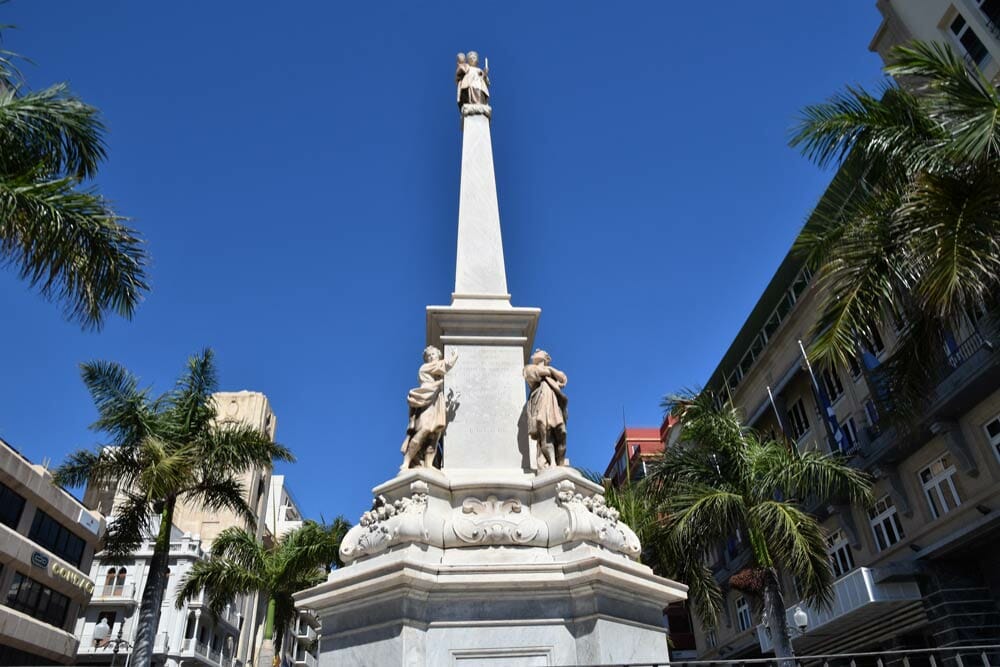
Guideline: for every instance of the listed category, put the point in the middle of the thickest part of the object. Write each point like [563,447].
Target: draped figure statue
[428,415]
[472,82]
[547,409]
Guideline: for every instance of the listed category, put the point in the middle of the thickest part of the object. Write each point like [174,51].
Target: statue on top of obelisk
[472,84]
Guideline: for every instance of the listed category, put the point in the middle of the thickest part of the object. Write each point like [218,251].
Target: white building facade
[191,635]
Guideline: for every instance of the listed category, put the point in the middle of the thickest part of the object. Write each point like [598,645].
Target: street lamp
[801,619]
[102,632]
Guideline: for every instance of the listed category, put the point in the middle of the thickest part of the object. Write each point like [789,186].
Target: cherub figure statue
[428,415]
[547,409]
[473,83]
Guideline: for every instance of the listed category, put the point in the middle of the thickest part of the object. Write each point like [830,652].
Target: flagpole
[777,415]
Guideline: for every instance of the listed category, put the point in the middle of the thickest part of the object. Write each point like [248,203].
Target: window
[854,367]
[38,601]
[939,486]
[797,420]
[841,557]
[11,506]
[831,383]
[878,345]
[743,613]
[885,523]
[992,429]
[850,431]
[711,639]
[973,46]
[991,8]
[49,533]
[871,412]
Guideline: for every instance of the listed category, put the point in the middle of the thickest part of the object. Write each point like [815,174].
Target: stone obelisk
[486,561]
[493,339]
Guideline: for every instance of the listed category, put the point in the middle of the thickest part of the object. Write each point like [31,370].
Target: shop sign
[72,577]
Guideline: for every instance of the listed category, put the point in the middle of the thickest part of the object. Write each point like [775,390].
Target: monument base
[515,570]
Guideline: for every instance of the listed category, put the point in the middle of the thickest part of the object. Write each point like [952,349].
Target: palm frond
[52,128]
[72,246]
[221,580]
[241,547]
[220,493]
[795,540]
[130,522]
[813,474]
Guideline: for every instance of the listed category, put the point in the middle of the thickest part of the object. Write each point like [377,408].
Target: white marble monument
[488,561]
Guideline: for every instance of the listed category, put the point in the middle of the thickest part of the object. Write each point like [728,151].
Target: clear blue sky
[295,169]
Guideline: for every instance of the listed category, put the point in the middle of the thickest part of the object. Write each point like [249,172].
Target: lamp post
[801,619]
[102,632]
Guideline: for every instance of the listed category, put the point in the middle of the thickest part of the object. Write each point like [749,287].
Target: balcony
[124,593]
[230,614]
[306,659]
[194,649]
[966,376]
[304,632]
[864,608]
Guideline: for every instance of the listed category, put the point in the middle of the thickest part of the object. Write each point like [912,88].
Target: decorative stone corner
[388,523]
[590,518]
[477,110]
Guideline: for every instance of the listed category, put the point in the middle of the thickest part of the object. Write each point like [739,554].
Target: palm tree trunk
[152,592]
[774,610]
[267,646]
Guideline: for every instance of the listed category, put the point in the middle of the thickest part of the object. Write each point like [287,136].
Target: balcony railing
[957,656]
[966,349]
[306,660]
[857,596]
[114,592]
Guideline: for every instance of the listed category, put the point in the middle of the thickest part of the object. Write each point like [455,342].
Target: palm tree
[242,565]
[639,505]
[722,478]
[909,230]
[162,451]
[60,234]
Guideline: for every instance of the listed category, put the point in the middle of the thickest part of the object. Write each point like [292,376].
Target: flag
[836,434]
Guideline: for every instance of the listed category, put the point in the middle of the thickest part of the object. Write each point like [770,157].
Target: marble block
[487,427]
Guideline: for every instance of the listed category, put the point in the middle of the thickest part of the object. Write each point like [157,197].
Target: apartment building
[195,525]
[635,449]
[917,569]
[972,27]
[47,542]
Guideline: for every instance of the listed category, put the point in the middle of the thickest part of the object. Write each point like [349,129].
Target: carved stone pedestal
[526,570]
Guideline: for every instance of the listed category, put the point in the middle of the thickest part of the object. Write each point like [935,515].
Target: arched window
[120,582]
[109,579]
[189,629]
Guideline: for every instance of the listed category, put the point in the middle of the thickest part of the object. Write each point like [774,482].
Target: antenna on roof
[45,462]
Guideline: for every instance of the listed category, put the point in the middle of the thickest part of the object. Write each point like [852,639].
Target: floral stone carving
[388,523]
[494,522]
[592,519]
